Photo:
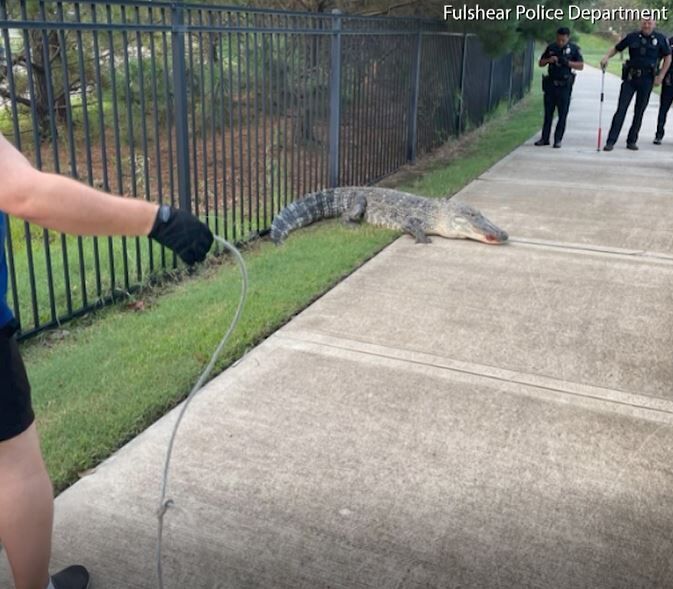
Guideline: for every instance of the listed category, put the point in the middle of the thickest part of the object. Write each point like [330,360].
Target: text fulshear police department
[540,12]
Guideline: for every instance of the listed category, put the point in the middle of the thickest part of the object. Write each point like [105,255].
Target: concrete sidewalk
[452,415]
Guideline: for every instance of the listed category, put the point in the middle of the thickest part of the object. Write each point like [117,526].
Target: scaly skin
[416,215]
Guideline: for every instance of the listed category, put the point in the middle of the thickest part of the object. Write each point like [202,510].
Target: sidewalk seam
[545,383]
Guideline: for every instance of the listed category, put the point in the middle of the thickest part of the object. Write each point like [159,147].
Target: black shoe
[609,147]
[657,141]
[74,577]
[541,142]
[632,146]
[557,144]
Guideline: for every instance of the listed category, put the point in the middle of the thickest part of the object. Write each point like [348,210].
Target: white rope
[165,503]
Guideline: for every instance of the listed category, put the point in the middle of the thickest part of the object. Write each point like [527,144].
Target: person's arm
[619,47]
[65,205]
[577,62]
[607,56]
[545,61]
[547,58]
[664,69]
[665,53]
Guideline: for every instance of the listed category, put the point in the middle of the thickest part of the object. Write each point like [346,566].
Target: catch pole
[600,111]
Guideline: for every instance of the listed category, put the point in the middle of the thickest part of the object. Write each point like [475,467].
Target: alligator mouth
[494,239]
[487,232]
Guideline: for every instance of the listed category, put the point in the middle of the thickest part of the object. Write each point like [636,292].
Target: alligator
[416,215]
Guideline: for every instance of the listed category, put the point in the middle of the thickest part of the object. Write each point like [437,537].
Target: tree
[45,69]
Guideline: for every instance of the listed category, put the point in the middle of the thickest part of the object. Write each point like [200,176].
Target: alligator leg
[354,215]
[414,226]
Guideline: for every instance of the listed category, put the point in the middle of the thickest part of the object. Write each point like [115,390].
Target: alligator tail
[313,207]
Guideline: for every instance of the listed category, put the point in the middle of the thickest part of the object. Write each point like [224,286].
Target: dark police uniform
[557,86]
[16,413]
[638,75]
[666,99]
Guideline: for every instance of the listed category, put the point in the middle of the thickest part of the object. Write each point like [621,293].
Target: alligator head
[457,220]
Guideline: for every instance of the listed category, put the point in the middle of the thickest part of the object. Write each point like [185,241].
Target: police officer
[665,101]
[562,57]
[640,73]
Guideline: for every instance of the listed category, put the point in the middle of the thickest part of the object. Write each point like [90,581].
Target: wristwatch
[164,213]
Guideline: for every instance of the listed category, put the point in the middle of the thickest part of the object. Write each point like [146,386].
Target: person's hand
[183,233]
[562,61]
[553,59]
[658,80]
[604,62]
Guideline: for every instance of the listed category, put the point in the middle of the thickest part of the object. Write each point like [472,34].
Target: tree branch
[389,9]
[74,85]
[20,99]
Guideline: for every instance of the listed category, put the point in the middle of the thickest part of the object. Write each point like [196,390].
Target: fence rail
[226,111]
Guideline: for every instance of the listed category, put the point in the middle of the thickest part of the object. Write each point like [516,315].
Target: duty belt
[635,72]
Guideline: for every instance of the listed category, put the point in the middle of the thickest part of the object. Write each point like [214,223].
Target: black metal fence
[230,112]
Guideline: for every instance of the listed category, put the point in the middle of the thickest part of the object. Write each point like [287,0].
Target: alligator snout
[496,238]
[463,221]
[486,232]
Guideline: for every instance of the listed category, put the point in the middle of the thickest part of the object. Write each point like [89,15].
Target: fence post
[490,85]
[459,114]
[511,77]
[412,126]
[335,101]
[531,60]
[181,117]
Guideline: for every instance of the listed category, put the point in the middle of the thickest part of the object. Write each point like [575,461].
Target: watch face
[164,213]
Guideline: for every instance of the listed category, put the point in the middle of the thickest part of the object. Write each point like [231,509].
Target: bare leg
[26,510]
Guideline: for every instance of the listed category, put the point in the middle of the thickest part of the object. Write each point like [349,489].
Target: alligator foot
[414,226]
[348,224]
[357,211]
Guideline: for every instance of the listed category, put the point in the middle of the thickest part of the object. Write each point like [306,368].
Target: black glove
[183,233]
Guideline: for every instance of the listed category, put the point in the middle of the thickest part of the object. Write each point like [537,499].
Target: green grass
[594,47]
[114,373]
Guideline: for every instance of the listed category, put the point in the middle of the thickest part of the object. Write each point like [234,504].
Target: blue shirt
[5,312]
[570,52]
[645,50]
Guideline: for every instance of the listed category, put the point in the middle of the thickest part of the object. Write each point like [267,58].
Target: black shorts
[16,410]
